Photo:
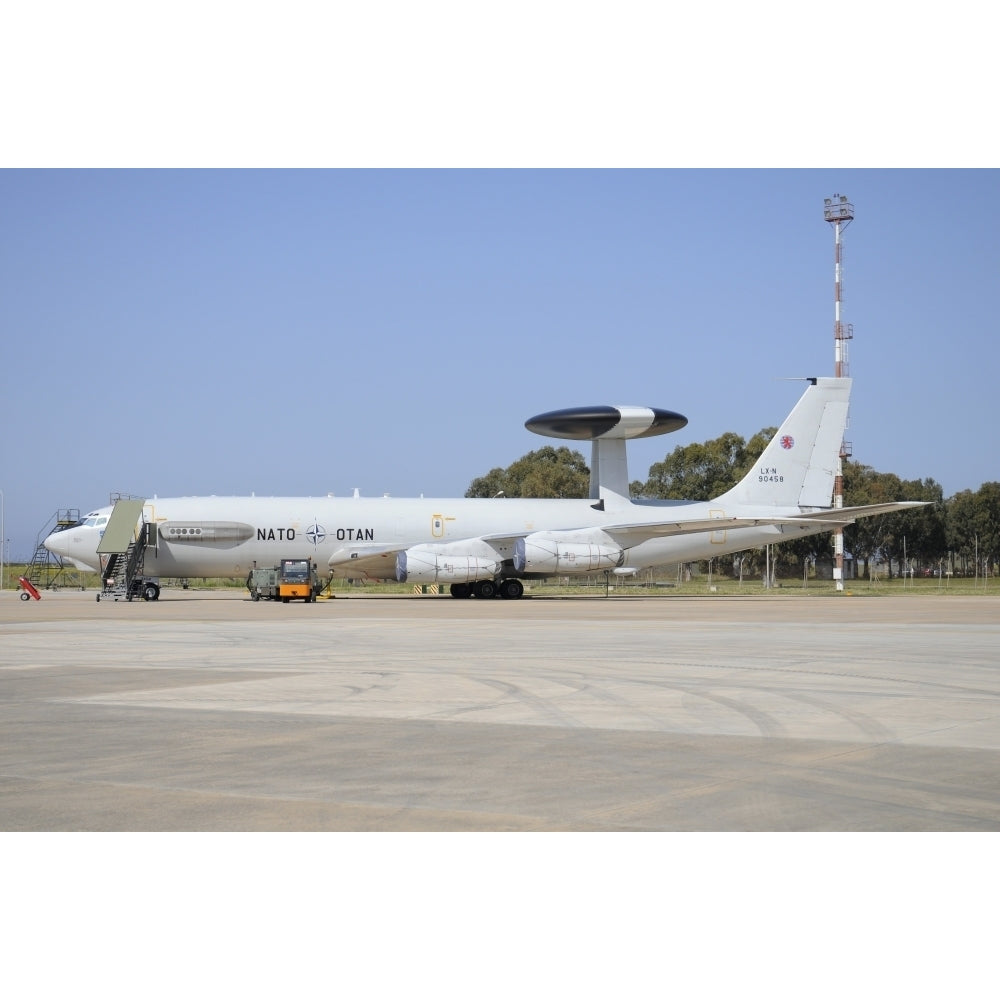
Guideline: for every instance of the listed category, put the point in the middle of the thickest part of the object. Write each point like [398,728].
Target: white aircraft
[485,547]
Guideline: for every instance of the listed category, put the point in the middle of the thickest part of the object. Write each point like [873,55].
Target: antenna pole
[840,213]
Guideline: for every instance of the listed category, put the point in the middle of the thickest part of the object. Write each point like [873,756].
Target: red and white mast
[840,213]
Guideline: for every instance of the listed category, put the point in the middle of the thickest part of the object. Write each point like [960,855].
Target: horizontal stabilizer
[848,515]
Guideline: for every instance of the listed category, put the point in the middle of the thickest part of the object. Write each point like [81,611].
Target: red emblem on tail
[787,441]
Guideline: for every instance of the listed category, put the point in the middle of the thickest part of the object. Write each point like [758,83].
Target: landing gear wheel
[151,592]
[460,590]
[485,589]
[511,589]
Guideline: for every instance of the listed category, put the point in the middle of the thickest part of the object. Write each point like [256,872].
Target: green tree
[871,536]
[549,472]
[925,528]
[921,533]
[988,522]
[793,555]
[961,525]
[973,524]
[704,471]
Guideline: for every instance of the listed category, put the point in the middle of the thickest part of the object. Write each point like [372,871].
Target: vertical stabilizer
[798,467]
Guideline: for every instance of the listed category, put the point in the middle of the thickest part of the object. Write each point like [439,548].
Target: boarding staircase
[124,543]
[47,571]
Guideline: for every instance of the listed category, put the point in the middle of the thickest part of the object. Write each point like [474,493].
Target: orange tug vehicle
[293,580]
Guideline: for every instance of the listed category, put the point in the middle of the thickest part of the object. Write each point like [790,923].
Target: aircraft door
[717,537]
[152,533]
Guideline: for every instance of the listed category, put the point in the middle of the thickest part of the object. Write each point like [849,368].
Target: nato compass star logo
[316,533]
[787,441]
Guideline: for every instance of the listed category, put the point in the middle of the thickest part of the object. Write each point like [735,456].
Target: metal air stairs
[46,570]
[124,543]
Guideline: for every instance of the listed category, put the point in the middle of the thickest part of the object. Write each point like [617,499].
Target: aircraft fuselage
[229,536]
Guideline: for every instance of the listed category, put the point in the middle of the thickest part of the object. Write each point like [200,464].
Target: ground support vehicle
[293,579]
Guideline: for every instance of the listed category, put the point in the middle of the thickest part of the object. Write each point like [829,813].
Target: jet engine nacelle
[540,554]
[424,565]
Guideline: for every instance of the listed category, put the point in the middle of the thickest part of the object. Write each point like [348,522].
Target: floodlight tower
[840,213]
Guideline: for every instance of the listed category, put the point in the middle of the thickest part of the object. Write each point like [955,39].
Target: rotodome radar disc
[589,423]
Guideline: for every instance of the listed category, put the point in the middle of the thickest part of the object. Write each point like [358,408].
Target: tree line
[959,535]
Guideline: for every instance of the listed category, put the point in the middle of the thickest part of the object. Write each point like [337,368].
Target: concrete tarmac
[206,711]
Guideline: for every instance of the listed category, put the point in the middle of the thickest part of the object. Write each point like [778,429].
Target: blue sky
[302,332]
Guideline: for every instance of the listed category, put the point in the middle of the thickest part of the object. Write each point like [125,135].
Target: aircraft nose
[57,542]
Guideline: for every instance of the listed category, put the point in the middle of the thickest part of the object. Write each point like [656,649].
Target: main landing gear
[510,589]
